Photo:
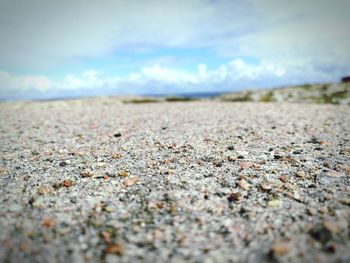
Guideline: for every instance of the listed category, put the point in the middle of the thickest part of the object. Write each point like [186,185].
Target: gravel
[97,180]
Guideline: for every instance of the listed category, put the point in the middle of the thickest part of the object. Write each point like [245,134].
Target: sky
[77,48]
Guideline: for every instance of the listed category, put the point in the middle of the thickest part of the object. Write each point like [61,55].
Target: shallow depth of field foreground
[97,180]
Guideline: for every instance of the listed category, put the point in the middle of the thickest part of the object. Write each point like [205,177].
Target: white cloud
[236,74]
[10,83]
[38,34]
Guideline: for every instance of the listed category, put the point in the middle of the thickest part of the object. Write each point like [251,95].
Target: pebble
[45,189]
[312,211]
[131,181]
[245,165]
[234,196]
[116,249]
[300,174]
[48,222]
[274,203]
[64,163]
[39,202]
[284,178]
[244,184]
[116,155]
[242,153]
[265,187]
[332,227]
[231,158]
[344,201]
[118,134]
[123,173]
[109,208]
[86,173]
[297,196]
[333,173]
[281,248]
[67,183]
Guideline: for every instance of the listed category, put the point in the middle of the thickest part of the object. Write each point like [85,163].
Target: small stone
[234,196]
[116,155]
[116,249]
[3,170]
[277,156]
[26,178]
[321,233]
[101,164]
[281,248]
[173,208]
[265,187]
[284,178]
[332,248]
[344,201]
[118,134]
[244,184]
[131,181]
[45,189]
[242,153]
[274,203]
[86,173]
[328,196]
[109,208]
[312,211]
[231,158]
[245,165]
[123,173]
[300,174]
[332,227]
[48,222]
[64,163]
[333,173]
[24,247]
[38,203]
[231,148]
[297,196]
[67,183]
[158,234]
[170,172]
[106,236]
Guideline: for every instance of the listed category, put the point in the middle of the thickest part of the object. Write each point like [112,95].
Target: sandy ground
[101,181]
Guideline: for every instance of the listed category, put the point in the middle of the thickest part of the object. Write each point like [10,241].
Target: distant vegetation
[335,93]
[141,100]
[246,96]
[179,99]
[268,97]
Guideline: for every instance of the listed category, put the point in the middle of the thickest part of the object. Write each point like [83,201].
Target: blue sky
[68,48]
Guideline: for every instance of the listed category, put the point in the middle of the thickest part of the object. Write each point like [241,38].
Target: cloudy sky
[68,48]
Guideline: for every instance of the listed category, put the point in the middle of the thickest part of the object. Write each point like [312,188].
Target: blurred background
[67,49]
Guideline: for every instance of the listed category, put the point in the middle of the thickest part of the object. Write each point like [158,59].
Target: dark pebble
[62,164]
[277,156]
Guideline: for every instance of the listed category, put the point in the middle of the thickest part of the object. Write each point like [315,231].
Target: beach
[99,180]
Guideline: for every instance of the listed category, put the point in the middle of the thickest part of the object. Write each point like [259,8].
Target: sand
[97,180]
